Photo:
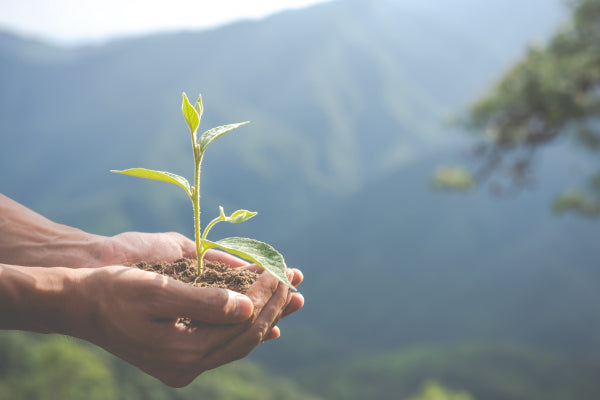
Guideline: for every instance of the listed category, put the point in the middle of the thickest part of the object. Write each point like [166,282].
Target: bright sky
[82,21]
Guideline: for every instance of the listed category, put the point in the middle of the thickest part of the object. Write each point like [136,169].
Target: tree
[552,94]
[52,368]
[432,390]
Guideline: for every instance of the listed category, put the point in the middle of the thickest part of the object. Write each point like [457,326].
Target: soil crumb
[214,274]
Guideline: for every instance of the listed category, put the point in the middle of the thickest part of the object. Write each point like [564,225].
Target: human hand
[29,239]
[134,314]
[131,247]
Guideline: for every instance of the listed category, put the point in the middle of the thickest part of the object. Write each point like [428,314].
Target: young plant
[258,252]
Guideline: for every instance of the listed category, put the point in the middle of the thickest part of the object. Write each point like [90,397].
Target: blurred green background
[412,291]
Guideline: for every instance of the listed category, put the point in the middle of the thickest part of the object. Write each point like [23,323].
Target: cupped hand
[134,314]
[133,247]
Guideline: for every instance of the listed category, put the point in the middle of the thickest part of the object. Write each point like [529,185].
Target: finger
[290,297]
[260,329]
[188,246]
[132,247]
[297,278]
[275,333]
[254,268]
[296,303]
[261,292]
[225,258]
[288,300]
[212,305]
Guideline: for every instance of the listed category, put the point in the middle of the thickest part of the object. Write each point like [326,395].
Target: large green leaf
[190,114]
[158,176]
[213,134]
[258,252]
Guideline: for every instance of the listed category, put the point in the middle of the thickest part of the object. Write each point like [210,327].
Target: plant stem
[196,204]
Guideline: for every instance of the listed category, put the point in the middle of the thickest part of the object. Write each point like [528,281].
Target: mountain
[349,103]
[338,94]
[35,366]
[401,264]
[491,372]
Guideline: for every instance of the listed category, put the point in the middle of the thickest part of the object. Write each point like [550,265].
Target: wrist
[70,307]
[29,239]
[70,248]
[38,299]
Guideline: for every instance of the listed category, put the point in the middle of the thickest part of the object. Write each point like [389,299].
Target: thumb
[212,305]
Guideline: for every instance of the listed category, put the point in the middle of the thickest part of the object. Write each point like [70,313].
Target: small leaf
[190,114]
[158,176]
[240,216]
[236,217]
[259,253]
[213,134]
[199,107]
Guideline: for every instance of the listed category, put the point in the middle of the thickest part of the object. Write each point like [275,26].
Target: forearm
[40,299]
[28,239]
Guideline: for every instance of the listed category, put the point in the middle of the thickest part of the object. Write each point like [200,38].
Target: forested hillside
[349,105]
[338,95]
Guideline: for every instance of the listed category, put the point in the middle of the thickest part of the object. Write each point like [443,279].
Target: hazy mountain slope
[401,264]
[340,95]
[337,94]
[347,102]
[491,372]
[50,367]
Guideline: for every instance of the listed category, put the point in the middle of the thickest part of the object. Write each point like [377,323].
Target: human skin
[59,279]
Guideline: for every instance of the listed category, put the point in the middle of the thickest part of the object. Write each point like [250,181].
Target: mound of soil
[214,274]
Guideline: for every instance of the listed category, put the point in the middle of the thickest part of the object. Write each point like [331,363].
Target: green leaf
[199,107]
[213,134]
[190,114]
[158,176]
[258,252]
[237,216]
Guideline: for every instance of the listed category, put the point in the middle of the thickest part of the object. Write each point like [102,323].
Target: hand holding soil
[58,279]
[136,316]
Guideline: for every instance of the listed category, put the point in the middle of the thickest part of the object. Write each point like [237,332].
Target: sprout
[253,250]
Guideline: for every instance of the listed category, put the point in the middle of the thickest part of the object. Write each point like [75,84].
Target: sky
[73,22]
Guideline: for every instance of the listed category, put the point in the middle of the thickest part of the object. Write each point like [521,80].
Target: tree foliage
[553,93]
[432,390]
[56,367]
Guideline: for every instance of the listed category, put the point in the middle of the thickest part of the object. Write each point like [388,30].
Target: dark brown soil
[214,274]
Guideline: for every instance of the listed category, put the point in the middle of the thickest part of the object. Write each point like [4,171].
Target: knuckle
[257,334]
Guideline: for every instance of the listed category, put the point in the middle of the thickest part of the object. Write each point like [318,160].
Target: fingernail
[243,307]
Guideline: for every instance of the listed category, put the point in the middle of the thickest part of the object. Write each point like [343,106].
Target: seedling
[253,250]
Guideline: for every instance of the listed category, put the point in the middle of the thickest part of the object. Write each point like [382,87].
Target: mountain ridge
[348,109]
